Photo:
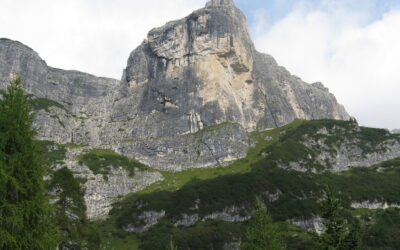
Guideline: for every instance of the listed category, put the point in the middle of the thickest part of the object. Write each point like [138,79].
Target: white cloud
[94,36]
[358,59]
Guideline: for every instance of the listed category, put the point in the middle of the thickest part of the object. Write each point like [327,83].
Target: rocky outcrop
[204,70]
[149,219]
[341,147]
[349,156]
[187,76]
[229,214]
[314,224]
[100,194]
[374,205]
[214,146]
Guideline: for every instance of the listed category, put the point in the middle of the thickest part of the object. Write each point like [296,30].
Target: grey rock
[345,153]
[214,146]
[314,224]
[230,214]
[206,64]
[189,75]
[187,220]
[349,155]
[374,205]
[271,197]
[100,194]
[150,218]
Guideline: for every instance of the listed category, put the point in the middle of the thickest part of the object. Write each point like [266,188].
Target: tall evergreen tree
[262,233]
[25,221]
[339,234]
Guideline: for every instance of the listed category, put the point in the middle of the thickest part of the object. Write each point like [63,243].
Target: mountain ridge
[198,126]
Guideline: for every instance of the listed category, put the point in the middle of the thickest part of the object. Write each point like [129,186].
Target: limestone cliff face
[189,95]
[204,70]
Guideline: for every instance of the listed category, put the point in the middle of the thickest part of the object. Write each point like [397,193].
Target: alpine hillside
[198,126]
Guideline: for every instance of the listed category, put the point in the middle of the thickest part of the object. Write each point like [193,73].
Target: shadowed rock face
[197,81]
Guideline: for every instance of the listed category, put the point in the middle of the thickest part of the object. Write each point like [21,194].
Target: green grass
[176,180]
[100,161]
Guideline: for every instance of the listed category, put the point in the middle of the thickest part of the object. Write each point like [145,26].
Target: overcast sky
[352,46]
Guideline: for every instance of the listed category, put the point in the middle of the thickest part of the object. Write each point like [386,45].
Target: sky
[352,46]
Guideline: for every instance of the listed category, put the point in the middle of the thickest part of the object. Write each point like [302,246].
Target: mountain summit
[220,3]
[204,70]
[189,95]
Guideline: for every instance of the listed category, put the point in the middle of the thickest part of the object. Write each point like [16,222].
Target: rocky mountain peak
[189,95]
[206,68]
[227,3]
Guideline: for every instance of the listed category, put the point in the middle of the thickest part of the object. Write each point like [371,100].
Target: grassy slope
[176,180]
[239,182]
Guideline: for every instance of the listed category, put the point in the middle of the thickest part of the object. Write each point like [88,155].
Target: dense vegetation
[26,218]
[262,233]
[339,233]
[258,174]
[76,231]
[288,194]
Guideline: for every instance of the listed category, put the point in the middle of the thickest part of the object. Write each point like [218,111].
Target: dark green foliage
[296,238]
[76,231]
[262,233]
[339,234]
[391,163]
[25,214]
[361,184]
[298,192]
[204,236]
[100,161]
[383,231]
[222,192]
[52,153]
[44,104]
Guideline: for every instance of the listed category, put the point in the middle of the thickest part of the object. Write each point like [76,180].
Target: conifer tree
[25,221]
[339,234]
[262,233]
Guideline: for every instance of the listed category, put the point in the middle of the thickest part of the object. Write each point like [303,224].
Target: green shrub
[100,161]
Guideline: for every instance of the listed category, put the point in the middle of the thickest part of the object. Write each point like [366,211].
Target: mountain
[396,131]
[199,124]
[189,75]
